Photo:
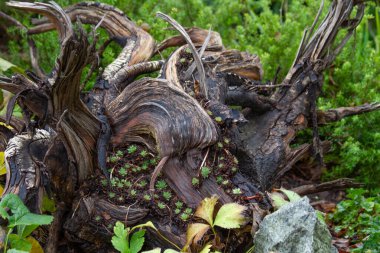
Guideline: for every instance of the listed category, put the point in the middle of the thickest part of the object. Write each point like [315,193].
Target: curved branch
[333,115]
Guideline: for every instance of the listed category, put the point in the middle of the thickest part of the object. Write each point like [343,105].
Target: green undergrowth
[358,219]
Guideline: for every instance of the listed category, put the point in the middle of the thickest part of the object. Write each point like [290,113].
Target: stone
[294,228]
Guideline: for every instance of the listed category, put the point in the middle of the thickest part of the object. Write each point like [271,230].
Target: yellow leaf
[206,249]
[206,209]
[194,233]
[3,170]
[230,216]
[36,247]
[1,190]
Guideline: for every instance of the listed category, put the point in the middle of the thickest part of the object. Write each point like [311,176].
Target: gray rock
[294,228]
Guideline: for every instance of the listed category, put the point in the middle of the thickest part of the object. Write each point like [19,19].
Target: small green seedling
[167,195]
[143,153]
[205,172]
[161,205]
[161,185]
[195,181]
[179,204]
[132,149]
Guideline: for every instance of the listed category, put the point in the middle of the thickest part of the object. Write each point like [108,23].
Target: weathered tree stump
[62,144]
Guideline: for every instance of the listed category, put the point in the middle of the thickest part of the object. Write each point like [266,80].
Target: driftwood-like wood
[179,116]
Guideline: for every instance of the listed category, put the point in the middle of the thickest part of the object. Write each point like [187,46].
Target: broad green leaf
[292,196]
[34,219]
[277,200]
[137,241]
[19,243]
[206,209]
[156,250]
[16,206]
[120,239]
[230,216]
[27,230]
[206,249]
[36,246]
[171,251]
[195,232]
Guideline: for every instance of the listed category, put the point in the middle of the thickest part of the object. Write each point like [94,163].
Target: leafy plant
[205,172]
[195,181]
[161,185]
[228,216]
[167,195]
[132,149]
[121,240]
[125,241]
[358,217]
[22,220]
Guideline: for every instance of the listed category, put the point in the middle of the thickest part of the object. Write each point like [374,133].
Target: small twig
[157,171]
[203,162]
[192,67]
[196,57]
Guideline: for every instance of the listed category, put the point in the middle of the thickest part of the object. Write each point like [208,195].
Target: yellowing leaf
[206,249]
[1,190]
[195,232]
[277,200]
[36,247]
[230,216]
[3,170]
[292,196]
[206,209]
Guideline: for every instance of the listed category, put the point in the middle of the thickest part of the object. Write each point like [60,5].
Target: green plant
[132,149]
[167,195]
[147,197]
[359,219]
[179,204]
[125,241]
[161,185]
[219,179]
[161,205]
[114,159]
[21,219]
[123,171]
[111,195]
[205,172]
[142,183]
[98,218]
[237,191]
[177,211]
[228,216]
[104,182]
[184,216]
[188,211]
[143,153]
[119,153]
[133,192]
[195,181]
